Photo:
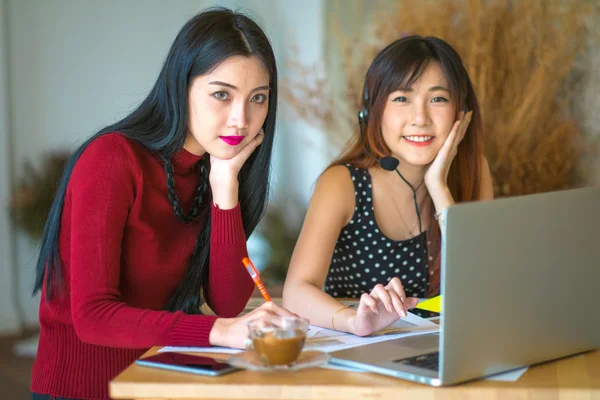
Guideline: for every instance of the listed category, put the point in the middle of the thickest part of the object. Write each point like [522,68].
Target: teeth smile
[418,138]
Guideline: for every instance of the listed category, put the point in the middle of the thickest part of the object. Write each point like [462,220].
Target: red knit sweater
[123,254]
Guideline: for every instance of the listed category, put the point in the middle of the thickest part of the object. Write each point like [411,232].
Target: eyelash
[436,99]
[262,97]
[218,96]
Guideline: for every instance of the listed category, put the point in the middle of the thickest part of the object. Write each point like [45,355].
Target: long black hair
[160,124]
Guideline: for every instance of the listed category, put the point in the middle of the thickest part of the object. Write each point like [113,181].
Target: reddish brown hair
[399,65]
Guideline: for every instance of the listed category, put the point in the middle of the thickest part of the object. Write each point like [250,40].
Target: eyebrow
[431,89]
[229,85]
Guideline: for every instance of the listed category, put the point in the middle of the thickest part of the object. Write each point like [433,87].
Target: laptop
[519,279]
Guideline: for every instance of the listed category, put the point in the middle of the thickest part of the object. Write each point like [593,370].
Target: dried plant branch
[528,61]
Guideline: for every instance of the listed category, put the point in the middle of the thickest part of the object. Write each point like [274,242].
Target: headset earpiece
[363,115]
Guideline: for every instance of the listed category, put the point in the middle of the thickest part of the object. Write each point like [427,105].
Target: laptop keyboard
[429,361]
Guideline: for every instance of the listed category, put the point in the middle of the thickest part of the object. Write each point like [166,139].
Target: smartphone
[424,313]
[187,363]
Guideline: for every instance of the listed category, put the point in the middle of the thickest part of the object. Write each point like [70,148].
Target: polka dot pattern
[364,256]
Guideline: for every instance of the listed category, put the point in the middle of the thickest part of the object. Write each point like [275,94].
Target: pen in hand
[256,278]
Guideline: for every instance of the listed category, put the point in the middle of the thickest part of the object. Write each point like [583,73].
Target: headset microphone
[390,164]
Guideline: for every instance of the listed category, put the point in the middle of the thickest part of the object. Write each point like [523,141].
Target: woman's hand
[381,308]
[436,176]
[233,332]
[224,174]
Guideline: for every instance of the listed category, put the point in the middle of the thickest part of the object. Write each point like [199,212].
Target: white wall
[9,318]
[302,148]
[76,66]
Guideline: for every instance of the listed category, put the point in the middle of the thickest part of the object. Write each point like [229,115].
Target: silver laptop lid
[519,278]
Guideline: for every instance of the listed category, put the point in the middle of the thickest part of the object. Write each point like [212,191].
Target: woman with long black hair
[144,241]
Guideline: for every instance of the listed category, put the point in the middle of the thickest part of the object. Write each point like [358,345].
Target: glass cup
[278,341]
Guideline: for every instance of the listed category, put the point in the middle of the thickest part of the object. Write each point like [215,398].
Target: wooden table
[576,377]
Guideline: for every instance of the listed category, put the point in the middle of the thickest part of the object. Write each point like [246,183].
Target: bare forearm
[218,333]
[442,200]
[313,303]
[225,194]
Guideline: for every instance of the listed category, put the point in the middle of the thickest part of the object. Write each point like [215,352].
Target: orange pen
[256,278]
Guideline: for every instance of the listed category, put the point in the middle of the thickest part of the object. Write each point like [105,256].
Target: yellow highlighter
[434,304]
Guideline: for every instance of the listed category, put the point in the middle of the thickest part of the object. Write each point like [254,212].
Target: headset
[389,163]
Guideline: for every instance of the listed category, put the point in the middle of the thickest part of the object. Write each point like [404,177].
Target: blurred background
[68,68]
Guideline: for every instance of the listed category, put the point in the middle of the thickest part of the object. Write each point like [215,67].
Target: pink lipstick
[232,140]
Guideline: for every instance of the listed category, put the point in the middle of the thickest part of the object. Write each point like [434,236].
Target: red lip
[232,140]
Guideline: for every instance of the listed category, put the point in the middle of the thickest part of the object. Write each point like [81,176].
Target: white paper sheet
[341,368]
[328,340]
[510,376]
[214,349]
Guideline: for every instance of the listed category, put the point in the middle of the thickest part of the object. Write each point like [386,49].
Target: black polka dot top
[364,256]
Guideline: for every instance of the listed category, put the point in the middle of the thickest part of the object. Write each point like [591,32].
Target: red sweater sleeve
[227,249]
[100,196]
